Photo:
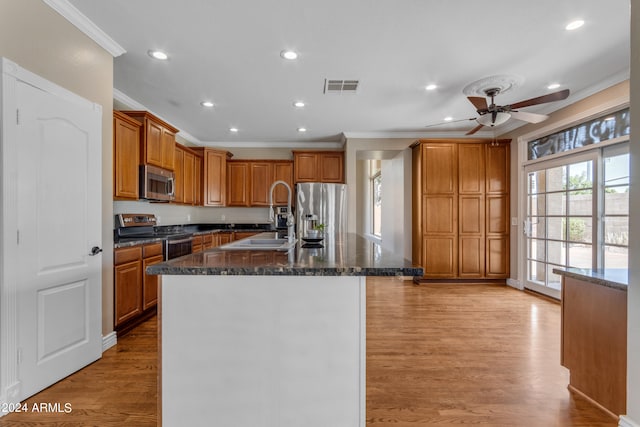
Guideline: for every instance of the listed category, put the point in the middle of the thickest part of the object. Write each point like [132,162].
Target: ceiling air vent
[340,86]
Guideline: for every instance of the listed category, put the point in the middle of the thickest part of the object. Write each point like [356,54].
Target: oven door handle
[188,239]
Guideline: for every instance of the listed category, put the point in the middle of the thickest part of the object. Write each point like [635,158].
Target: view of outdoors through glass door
[559,225]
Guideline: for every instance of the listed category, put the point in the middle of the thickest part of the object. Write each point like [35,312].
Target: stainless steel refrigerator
[325,202]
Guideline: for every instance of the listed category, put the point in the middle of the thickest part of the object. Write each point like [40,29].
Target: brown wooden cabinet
[224,238]
[157,140]
[151,254]
[213,177]
[178,175]
[237,183]
[197,179]
[126,154]
[186,175]
[249,181]
[461,208]
[283,171]
[128,284]
[135,292]
[196,244]
[237,235]
[318,166]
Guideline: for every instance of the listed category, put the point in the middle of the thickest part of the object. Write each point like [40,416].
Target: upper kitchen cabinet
[157,140]
[237,183]
[461,208]
[318,166]
[263,174]
[126,152]
[249,182]
[214,176]
[186,175]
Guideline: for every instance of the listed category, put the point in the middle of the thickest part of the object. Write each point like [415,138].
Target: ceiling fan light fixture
[487,119]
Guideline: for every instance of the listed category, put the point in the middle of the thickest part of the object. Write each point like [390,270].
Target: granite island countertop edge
[610,278]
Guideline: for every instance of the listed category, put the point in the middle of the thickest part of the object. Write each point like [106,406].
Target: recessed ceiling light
[289,54]
[431,87]
[302,129]
[448,119]
[553,86]
[234,130]
[574,25]
[298,104]
[207,104]
[158,54]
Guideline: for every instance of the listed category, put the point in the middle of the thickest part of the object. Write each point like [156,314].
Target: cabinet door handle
[95,251]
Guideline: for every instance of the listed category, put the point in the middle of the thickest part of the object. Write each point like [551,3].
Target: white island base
[268,351]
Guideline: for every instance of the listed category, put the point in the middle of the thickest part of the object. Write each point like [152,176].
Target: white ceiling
[229,52]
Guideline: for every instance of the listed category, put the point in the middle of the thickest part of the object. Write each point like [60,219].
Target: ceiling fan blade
[556,96]
[528,117]
[474,130]
[479,102]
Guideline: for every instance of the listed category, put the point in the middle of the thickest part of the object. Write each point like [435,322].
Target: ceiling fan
[494,115]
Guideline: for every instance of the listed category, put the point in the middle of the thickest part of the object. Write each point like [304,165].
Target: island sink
[264,244]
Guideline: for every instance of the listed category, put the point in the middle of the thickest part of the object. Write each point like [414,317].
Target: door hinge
[17,116]
[17,237]
[19,355]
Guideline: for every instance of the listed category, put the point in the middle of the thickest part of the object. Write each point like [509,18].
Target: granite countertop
[193,229]
[616,278]
[341,255]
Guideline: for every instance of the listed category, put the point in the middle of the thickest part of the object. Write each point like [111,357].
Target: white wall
[38,39]
[396,210]
[633,292]
[168,214]
[398,154]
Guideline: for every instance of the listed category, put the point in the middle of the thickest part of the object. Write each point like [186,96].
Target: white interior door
[59,221]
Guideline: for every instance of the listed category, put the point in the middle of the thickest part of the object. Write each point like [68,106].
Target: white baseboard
[109,341]
[625,421]
[515,284]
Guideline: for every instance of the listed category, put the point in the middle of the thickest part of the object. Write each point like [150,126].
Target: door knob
[95,251]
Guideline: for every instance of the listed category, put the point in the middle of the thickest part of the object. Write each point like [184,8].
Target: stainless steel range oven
[175,247]
[176,241]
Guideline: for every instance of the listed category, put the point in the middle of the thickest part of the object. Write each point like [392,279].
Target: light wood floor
[436,354]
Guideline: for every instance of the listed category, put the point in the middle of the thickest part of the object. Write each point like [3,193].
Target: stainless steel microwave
[156,183]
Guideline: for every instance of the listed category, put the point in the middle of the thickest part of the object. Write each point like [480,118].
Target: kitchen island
[269,338]
[594,335]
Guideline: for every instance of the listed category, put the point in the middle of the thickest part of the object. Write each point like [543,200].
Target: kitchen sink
[259,245]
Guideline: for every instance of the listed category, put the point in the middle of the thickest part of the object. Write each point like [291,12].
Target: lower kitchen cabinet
[128,286]
[237,235]
[224,238]
[135,292]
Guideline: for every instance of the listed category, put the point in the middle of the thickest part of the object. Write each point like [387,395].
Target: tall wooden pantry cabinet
[461,208]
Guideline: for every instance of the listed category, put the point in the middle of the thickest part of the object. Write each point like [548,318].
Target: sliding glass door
[559,226]
[577,215]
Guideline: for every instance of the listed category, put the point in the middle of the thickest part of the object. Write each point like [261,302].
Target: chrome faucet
[291,234]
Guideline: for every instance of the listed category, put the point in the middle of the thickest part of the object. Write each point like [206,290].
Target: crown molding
[416,135]
[84,24]
[135,105]
[265,144]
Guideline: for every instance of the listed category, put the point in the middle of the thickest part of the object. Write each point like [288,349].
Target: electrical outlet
[188,218]
[223,217]
[514,220]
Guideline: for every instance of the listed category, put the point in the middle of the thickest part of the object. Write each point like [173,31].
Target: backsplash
[168,214]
